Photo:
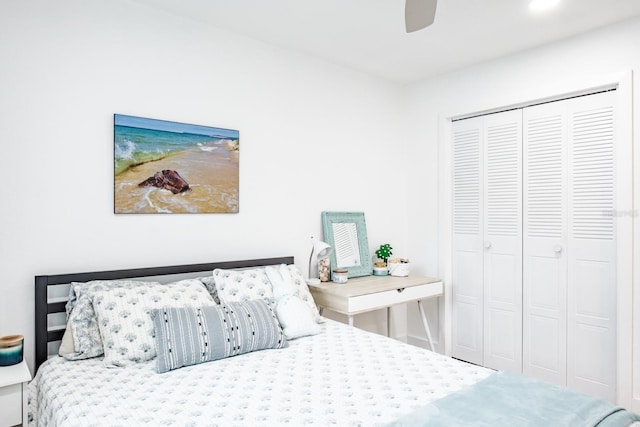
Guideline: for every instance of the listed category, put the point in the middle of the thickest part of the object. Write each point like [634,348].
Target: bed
[334,375]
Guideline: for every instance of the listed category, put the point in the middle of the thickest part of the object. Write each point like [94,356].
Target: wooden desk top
[366,285]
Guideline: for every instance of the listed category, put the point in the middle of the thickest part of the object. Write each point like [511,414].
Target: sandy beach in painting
[211,171]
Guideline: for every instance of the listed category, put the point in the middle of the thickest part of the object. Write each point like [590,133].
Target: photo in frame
[346,233]
[169,167]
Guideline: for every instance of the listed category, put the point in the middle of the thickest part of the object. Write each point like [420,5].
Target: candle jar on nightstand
[340,276]
[11,350]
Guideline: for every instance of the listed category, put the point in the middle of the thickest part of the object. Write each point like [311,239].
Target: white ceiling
[368,35]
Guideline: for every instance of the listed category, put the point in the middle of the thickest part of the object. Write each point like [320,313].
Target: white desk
[362,294]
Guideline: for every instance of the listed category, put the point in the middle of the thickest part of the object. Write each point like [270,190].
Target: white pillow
[242,285]
[66,346]
[302,291]
[125,323]
[295,316]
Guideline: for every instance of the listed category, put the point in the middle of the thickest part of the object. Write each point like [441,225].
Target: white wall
[602,56]
[314,137]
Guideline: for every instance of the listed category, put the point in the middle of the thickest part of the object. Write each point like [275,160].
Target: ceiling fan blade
[419,14]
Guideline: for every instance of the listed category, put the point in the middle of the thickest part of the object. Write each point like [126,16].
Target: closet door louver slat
[544,152]
[466,181]
[592,174]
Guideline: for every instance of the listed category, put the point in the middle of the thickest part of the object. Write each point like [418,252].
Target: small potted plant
[383,253]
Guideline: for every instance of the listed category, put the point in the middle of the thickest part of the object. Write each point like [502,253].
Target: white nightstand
[13,396]
[362,294]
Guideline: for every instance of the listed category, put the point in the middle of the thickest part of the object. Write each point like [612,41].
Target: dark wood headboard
[45,307]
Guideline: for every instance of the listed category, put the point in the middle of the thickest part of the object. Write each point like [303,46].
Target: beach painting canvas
[169,167]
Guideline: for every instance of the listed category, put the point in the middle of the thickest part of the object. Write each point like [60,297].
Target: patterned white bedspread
[343,376]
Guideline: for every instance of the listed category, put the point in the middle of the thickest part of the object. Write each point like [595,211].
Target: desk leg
[351,320]
[426,324]
[388,321]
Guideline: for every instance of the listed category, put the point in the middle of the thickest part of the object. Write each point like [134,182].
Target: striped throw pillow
[190,335]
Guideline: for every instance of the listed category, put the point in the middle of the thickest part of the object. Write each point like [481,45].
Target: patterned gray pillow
[191,335]
[242,285]
[82,320]
[210,284]
[123,317]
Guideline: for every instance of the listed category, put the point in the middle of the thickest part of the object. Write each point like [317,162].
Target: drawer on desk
[395,296]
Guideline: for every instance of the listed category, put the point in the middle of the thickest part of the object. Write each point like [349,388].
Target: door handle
[487,245]
[557,249]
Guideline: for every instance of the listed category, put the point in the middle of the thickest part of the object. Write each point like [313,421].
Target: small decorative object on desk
[324,269]
[398,267]
[11,350]
[380,268]
[340,276]
[383,253]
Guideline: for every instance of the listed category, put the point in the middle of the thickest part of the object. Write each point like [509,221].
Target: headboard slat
[55,335]
[56,307]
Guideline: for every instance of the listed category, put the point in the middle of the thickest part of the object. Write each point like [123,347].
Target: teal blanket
[507,399]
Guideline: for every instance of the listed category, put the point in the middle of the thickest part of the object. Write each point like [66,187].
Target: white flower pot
[400,269]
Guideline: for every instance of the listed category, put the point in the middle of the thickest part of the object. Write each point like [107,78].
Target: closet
[533,284]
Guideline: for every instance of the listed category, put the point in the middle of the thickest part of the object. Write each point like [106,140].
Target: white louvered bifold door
[534,250]
[502,241]
[544,242]
[467,241]
[591,364]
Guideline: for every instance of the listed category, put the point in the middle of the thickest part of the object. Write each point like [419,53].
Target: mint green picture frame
[346,233]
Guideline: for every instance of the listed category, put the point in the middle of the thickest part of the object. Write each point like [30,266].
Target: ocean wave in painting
[135,146]
[127,155]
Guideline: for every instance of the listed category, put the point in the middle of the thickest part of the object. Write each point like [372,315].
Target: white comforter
[343,376]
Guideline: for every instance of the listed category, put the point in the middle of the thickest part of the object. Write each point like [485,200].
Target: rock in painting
[167,179]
